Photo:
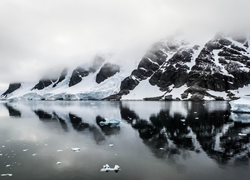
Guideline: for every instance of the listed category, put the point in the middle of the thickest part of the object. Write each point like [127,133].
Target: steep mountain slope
[173,69]
[193,72]
[81,83]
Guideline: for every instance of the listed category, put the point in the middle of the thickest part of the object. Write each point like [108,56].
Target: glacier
[241,105]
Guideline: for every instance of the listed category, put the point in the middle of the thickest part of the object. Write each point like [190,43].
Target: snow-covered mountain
[172,69]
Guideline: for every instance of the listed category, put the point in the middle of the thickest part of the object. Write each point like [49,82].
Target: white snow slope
[88,88]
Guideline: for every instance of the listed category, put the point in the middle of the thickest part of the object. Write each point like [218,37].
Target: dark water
[155,140]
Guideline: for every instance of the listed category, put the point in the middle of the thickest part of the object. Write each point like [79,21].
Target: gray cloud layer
[38,35]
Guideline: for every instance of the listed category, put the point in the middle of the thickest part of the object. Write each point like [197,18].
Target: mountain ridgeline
[218,70]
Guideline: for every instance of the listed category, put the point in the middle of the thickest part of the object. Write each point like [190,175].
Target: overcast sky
[36,35]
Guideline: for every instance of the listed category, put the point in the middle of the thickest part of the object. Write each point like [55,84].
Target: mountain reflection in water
[167,128]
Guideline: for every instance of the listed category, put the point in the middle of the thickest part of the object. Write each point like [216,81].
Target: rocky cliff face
[180,70]
[12,88]
[43,83]
[77,76]
[221,65]
[61,78]
[107,70]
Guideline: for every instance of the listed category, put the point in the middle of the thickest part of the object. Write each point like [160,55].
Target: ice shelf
[241,105]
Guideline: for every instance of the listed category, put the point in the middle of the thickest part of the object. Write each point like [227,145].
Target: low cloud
[37,36]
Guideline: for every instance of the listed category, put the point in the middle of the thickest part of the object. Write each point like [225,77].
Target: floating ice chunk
[76,149]
[161,148]
[242,117]
[117,168]
[3,146]
[59,163]
[59,150]
[111,145]
[242,134]
[111,122]
[241,105]
[1,154]
[183,120]
[46,144]
[6,174]
[197,118]
[25,149]
[106,168]
[34,154]
[8,165]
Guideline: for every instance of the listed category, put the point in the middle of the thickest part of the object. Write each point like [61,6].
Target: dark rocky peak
[246,44]
[182,56]
[12,87]
[129,83]
[174,71]
[107,70]
[238,48]
[77,76]
[220,66]
[43,83]
[217,43]
[61,78]
[97,63]
[152,61]
[149,64]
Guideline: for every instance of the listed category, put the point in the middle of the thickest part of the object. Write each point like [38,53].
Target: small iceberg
[241,117]
[58,163]
[106,168]
[241,105]
[242,134]
[110,122]
[76,149]
[117,168]
[6,174]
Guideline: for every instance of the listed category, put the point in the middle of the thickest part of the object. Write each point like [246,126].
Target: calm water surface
[155,140]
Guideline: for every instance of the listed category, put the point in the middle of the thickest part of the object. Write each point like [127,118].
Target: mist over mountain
[37,36]
[172,69]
